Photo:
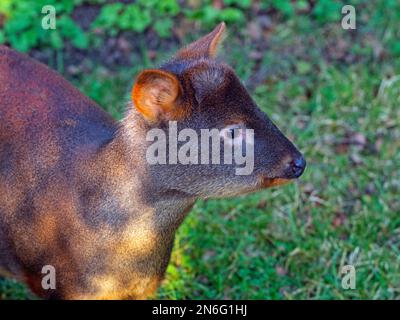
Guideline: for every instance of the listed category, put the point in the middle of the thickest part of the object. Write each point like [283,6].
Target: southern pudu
[76,190]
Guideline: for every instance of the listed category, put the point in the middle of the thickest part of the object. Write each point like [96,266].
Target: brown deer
[76,190]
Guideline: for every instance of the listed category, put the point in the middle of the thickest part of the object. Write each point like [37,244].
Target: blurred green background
[335,92]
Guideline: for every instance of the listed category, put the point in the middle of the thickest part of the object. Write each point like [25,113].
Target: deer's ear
[155,94]
[206,46]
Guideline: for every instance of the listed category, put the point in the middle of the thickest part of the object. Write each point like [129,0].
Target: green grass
[337,98]
[290,243]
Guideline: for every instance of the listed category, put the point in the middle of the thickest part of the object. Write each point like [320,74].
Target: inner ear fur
[155,95]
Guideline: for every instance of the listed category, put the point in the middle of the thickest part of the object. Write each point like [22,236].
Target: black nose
[297,166]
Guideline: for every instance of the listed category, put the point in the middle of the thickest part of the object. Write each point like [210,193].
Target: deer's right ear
[155,94]
[206,46]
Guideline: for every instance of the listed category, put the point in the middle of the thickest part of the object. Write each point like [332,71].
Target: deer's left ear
[206,46]
[155,95]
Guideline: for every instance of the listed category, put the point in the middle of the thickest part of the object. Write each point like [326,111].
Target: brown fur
[76,191]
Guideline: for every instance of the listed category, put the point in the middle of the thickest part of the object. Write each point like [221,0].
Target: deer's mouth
[274,182]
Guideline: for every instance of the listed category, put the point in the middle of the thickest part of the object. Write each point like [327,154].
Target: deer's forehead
[204,74]
[208,80]
[213,77]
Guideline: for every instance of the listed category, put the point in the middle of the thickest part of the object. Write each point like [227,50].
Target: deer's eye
[232,132]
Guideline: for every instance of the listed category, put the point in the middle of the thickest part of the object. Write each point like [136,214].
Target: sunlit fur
[76,191]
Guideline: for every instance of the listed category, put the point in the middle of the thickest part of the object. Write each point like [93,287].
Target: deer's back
[45,126]
[37,104]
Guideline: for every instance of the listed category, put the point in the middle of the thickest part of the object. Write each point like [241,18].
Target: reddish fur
[76,191]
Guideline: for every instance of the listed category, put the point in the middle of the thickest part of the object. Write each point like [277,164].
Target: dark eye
[232,132]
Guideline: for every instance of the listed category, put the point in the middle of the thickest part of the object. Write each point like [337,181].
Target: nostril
[298,165]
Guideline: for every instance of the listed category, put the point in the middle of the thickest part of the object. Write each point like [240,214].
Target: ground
[336,94]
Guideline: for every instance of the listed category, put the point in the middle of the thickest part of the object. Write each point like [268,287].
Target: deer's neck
[139,191]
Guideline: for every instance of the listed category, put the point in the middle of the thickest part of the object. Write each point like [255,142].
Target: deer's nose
[297,166]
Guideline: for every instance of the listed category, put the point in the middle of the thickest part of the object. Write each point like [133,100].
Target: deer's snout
[295,167]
